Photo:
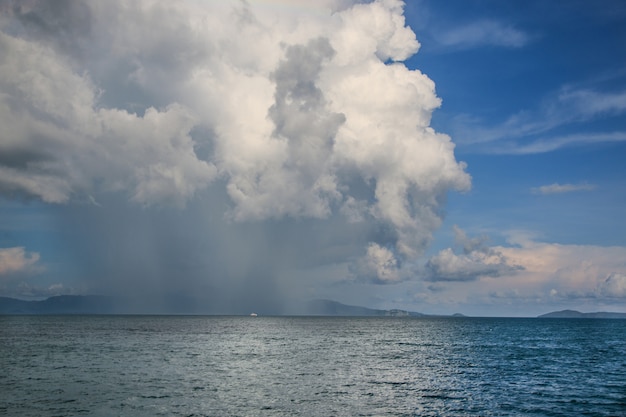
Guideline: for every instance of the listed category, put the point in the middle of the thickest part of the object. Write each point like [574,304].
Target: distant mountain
[97,304]
[573,314]
[62,304]
[334,308]
[100,304]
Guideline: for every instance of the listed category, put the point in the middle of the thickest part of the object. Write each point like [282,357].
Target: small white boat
[253,314]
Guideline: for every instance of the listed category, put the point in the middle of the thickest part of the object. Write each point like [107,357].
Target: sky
[234,156]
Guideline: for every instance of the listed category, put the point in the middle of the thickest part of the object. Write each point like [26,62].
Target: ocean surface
[310,366]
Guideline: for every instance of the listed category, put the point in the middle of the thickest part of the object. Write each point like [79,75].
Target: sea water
[310,366]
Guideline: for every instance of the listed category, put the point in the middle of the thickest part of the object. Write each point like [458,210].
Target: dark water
[271,366]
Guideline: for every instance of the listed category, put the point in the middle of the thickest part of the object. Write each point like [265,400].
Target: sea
[311,366]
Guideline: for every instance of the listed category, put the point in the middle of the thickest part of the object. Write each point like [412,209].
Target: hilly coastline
[573,314]
[62,304]
[97,304]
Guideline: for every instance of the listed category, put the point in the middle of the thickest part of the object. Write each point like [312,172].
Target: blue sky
[531,73]
[246,155]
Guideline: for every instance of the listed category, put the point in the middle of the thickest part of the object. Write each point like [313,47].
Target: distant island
[573,314]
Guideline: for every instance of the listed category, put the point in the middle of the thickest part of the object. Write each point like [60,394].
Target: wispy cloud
[549,144]
[591,103]
[483,33]
[535,130]
[562,188]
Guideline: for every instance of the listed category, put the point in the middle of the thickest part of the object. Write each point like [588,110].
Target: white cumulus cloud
[477,260]
[566,272]
[59,143]
[299,111]
[16,260]
[525,276]
[378,266]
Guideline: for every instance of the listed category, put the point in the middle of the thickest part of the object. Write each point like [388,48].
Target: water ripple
[288,366]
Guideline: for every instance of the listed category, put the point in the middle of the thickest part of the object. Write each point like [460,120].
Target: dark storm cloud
[65,24]
[220,266]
